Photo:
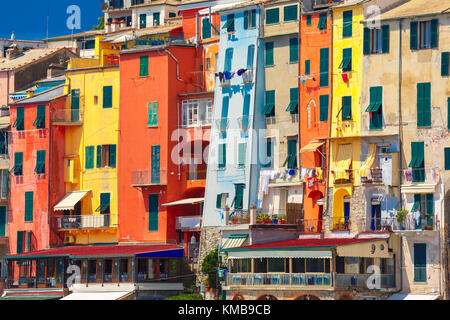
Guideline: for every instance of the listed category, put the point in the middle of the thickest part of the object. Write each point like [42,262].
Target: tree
[209,266]
[101,25]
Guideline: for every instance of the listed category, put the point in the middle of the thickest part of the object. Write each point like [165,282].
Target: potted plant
[259,219]
[282,220]
[241,219]
[247,218]
[234,219]
[207,285]
[274,220]
[401,215]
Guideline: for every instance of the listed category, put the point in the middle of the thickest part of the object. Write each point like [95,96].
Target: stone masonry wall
[210,237]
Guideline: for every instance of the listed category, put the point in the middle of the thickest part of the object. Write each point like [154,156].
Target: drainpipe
[176,61]
[299,91]
[400,140]
[178,141]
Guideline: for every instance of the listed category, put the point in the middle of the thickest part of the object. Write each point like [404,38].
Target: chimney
[13,51]
[55,70]
[123,24]
[107,26]
[115,25]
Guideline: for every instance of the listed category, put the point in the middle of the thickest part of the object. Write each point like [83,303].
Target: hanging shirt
[240,72]
[408,175]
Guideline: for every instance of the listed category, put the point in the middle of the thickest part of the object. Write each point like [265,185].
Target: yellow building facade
[92,122]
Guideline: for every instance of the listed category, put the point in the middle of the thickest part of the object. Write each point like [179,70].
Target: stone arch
[266,296]
[307,296]
[238,296]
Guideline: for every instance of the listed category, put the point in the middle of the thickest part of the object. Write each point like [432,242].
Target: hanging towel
[221,77]
[227,75]
[319,173]
[433,173]
[303,173]
[240,72]
[369,174]
[345,77]
[386,167]
[408,175]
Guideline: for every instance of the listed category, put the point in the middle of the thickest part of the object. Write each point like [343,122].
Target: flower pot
[274,221]
[233,221]
[268,221]
[283,221]
[248,221]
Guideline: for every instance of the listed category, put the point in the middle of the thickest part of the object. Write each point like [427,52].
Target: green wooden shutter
[444,64]
[418,154]
[5,181]
[430,209]
[105,202]
[219,201]
[268,153]
[346,108]
[346,59]
[447,158]
[385,38]
[269,61]
[322,21]
[19,242]
[307,67]
[75,106]
[224,114]
[40,162]
[292,153]
[18,163]
[269,109]
[293,104]
[324,102]
[222,155]
[420,262]
[272,16]
[290,13]
[308,20]
[156,158]
[250,56]
[107,97]
[89,157]
[99,156]
[230,23]
[324,66]
[424,104]
[206,28]
[242,154]
[112,155]
[293,50]
[366,41]
[253,18]
[413,28]
[2,221]
[245,19]
[143,21]
[19,124]
[153,210]
[29,206]
[347,24]
[434,33]
[150,114]
[239,196]
[228,59]
[155,114]
[40,117]
[143,66]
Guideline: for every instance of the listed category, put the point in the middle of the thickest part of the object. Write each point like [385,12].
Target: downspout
[300,91]
[176,61]
[178,141]
[50,160]
[330,117]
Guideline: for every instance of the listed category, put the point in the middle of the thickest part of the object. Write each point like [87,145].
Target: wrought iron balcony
[67,117]
[279,279]
[362,281]
[376,176]
[86,221]
[145,177]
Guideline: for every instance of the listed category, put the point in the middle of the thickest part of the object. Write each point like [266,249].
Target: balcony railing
[362,281]
[340,224]
[85,221]
[427,175]
[310,226]
[247,77]
[277,279]
[67,117]
[344,181]
[376,176]
[144,177]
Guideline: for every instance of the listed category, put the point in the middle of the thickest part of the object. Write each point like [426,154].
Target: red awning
[98,251]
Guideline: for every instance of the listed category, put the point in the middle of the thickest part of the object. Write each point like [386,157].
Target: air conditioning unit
[69,239]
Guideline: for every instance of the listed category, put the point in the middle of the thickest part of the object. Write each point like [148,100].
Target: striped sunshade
[369,160]
[343,161]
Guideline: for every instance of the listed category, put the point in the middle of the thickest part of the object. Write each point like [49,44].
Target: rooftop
[415,8]
[28,57]
[44,96]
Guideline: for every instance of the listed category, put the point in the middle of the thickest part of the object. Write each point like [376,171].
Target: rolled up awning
[70,200]
[369,160]
[312,147]
[115,295]
[343,161]
[318,254]
[234,241]
[184,201]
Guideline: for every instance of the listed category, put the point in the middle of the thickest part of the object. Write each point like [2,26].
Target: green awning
[373,107]
[228,23]
[416,161]
[234,241]
[292,107]
[268,109]
[345,63]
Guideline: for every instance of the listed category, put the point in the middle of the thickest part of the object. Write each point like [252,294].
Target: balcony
[144,178]
[86,221]
[340,224]
[67,117]
[376,177]
[424,222]
[361,281]
[279,279]
[341,181]
[188,223]
[310,225]
[247,77]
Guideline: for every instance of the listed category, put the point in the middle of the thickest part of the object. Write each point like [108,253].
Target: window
[346,108]
[447,158]
[221,200]
[239,196]
[224,115]
[346,64]
[153,210]
[293,50]
[293,105]
[152,120]
[323,106]
[4,179]
[228,59]
[269,109]
[420,262]
[324,66]
[3,142]
[250,56]
[269,153]
[376,40]
[268,54]
[222,155]
[156,166]
[3,221]
[89,157]
[143,66]
[40,162]
[424,104]
[229,24]
[106,156]
[291,159]
[423,34]
[290,13]
[206,28]
[142,21]
[40,117]
[20,119]
[197,112]
[272,16]
[18,164]
[107,97]
[417,161]
[375,108]
[250,19]
[156,16]
[307,67]
[29,206]
[105,203]
[322,21]
[347,24]
[242,154]
[444,64]
[308,20]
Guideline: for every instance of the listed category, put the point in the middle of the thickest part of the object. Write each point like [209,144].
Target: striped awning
[70,200]
[317,254]
[312,147]
[369,160]
[343,161]
[234,241]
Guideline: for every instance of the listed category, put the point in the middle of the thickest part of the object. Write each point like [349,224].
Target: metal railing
[344,181]
[67,116]
[287,279]
[340,224]
[310,225]
[376,176]
[247,77]
[421,175]
[361,281]
[144,177]
[84,221]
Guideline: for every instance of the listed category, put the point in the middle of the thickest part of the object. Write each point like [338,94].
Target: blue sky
[28,18]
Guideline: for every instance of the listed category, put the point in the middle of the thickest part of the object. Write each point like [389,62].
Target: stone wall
[210,237]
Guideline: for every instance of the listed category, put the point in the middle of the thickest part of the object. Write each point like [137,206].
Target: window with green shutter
[222,156]
[413,35]
[375,108]
[322,25]
[142,21]
[18,164]
[229,24]
[105,203]
[269,108]
[346,63]
[324,67]
[307,67]
[346,108]
[107,96]
[156,19]
[89,157]
[249,19]
[3,142]
[219,201]
[291,159]
[242,154]
[268,54]
[156,158]
[366,41]
[206,28]
[19,242]
[290,13]
[417,163]
[429,198]
[293,104]
[420,262]
[293,50]
[269,147]
[39,123]
[2,221]
[19,124]
[272,16]
[143,66]
[153,212]
[99,156]
[347,24]
[40,162]
[112,155]
[250,56]
[434,33]
[75,105]
[308,20]
[239,196]
[228,59]
[424,104]
[224,114]
[152,114]
[324,101]
[385,38]
[444,64]
[29,206]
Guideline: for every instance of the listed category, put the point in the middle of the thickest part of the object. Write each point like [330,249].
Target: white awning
[219,7]
[280,254]
[235,241]
[96,295]
[285,184]
[184,201]
[70,200]
[419,188]
[403,296]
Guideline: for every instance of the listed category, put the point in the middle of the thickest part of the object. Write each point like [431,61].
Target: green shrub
[194,296]
[209,267]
